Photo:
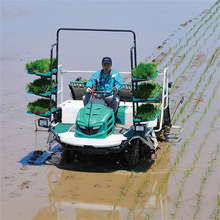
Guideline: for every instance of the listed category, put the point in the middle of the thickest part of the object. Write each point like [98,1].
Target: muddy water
[101,188]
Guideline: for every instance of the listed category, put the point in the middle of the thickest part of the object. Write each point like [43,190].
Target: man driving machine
[107,80]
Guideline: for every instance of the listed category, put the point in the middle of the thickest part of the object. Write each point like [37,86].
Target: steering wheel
[100,94]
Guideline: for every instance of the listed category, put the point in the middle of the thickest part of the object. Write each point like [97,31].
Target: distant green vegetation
[41,85]
[147,90]
[40,106]
[147,111]
[144,70]
[40,66]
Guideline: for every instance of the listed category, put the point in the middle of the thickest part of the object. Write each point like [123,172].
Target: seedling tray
[149,119]
[47,114]
[54,71]
[79,84]
[145,79]
[47,94]
[146,99]
[41,107]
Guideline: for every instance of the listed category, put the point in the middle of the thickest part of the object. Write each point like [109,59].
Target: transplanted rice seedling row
[188,66]
[188,51]
[203,17]
[142,185]
[190,169]
[187,42]
[201,94]
[148,176]
[178,157]
[216,214]
[138,193]
[193,92]
[182,150]
[123,188]
[180,153]
[199,194]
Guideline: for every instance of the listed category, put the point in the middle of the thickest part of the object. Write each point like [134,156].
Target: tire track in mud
[139,190]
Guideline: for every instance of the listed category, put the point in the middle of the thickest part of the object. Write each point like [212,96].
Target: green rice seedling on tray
[147,111]
[144,70]
[40,106]
[147,90]
[41,85]
[40,66]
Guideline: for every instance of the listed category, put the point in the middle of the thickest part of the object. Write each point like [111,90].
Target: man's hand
[88,90]
[115,90]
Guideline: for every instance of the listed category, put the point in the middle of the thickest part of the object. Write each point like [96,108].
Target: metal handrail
[51,81]
[164,97]
[98,30]
[87,71]
[62,72]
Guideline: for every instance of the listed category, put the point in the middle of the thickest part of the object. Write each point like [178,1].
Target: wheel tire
[145,151]
[67,156]
[132,153]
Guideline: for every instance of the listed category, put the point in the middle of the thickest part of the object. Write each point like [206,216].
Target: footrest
[62,127]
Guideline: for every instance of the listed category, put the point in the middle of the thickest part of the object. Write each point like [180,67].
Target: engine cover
[94,121]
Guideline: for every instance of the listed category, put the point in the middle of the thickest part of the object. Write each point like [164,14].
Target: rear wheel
[132,153]
[145,151]
[67,156]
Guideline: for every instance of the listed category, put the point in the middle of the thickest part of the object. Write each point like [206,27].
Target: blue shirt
[105,82]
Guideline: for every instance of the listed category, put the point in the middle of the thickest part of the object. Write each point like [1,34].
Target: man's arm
[93,79]
[118,81]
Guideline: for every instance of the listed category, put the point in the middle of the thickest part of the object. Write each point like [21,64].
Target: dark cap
[106,60]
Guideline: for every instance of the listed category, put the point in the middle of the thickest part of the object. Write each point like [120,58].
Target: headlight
[82,127]
[96,127]
[43,122]
[139,128]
